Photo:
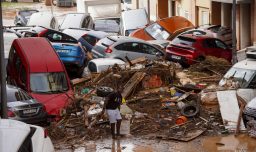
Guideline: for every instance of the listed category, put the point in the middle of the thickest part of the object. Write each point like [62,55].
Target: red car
[188,49]
[34,66]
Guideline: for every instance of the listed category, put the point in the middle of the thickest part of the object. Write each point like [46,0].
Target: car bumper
[179,59]
[73,61]
[39,119]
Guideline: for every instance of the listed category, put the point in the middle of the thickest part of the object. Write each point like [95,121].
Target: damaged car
[163,29]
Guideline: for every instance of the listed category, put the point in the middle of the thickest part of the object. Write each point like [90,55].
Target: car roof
[125,39]
[196,37]
[79,32]
[41,18]
[39,54]
[106,61]
[246,64]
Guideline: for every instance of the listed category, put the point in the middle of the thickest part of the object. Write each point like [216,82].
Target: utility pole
[234,52]
[2,70]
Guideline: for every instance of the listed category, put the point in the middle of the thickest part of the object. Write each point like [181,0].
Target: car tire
[200,58]
[190,111]
[104,91]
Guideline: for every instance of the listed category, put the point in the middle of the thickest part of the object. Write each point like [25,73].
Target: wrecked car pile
[162,101]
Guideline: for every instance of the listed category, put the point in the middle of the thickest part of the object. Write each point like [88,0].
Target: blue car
[87,38]
[68,48]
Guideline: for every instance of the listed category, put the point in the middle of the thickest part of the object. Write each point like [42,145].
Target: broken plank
[132,83]
[229,109]
[79,80]
[137,60]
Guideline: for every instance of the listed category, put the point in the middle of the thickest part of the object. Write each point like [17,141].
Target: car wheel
[104,91]
[190,111]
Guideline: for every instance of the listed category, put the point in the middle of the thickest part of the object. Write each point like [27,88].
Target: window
[148,49]
[92,67]
[220,44]
[90,39]
[60,37]
[53,23]
[184,41]
[48,82]
[205,17]
[133,47]
[23,75]
[157,32]
[209,43]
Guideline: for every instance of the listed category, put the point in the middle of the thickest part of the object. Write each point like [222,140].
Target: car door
[223,50]
[130,49]
[150,52]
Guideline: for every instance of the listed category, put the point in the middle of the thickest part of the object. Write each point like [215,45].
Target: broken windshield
[157,32]
[242,76]
[48,82]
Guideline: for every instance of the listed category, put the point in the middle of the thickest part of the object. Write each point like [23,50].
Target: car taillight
[45,133]
[108,50]
[10,113]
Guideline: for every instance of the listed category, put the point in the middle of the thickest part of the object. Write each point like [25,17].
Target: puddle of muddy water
[241,143]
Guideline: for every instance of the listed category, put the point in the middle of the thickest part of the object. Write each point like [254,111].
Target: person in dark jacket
[112,105]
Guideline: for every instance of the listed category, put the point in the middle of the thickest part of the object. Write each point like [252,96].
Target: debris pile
[165,101]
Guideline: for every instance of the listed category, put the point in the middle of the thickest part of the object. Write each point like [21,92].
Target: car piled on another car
[69,49]
[121,47]
[22,17]
[188,49]
[87,38]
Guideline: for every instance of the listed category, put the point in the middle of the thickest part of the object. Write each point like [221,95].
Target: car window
[23,77]
[17,95]
[220,44]
[92,67]
[132,47]
[157,32]
[86,22]
[148,49]
[209,43]
[60,37]
[90,39]
[184,41]
[107,25]
[252,84]
[53,22]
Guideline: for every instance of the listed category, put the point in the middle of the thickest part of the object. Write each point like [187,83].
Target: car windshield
[17,95]
[48,82]
[242,76]
[157,32]
[184,41]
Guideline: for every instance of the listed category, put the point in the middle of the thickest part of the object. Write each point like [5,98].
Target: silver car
[121,46]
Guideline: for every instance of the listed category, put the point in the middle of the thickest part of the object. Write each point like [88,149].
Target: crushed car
[22,17]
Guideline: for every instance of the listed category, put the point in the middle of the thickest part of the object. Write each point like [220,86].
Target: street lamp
[234,52]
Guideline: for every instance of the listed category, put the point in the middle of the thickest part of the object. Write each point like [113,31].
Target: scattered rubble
[162,100]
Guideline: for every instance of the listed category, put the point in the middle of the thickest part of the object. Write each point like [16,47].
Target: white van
[132,20]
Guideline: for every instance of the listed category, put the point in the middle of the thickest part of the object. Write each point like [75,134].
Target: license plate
[29,111]
[62,51]
[176,57]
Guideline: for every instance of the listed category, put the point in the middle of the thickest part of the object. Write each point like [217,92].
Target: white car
[43,19]
[243,72]
[102,64]
[18,136]
[77,20]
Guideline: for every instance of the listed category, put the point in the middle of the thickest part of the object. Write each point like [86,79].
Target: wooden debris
[137,60]
[79,80]
[132,83]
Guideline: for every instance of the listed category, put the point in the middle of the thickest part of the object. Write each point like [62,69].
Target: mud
[241,143]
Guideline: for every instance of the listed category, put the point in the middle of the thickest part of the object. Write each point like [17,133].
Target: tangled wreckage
[163,101]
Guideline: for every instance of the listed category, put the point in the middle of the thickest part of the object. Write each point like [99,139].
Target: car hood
[54,103]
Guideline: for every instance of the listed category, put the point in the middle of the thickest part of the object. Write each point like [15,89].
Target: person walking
[112,105]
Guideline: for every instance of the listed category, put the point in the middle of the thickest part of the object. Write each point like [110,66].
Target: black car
[22,17]
[23,107]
